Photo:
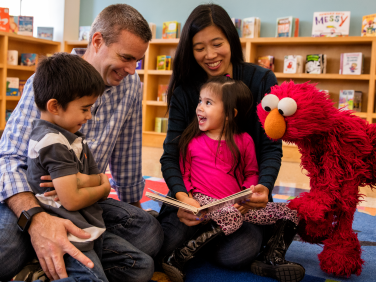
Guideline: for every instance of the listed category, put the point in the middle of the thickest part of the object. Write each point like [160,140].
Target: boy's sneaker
[31,272]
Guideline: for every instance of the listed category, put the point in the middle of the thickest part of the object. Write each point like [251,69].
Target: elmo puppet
[339,154]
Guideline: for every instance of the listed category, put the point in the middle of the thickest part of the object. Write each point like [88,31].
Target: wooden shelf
[160,72]
[156,103]
[13,98]
[350,40]
[1,66]
[140,72]
[21,68]
[309,76]
[29,39]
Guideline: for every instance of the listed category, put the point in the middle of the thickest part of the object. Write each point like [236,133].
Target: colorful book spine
[238,25]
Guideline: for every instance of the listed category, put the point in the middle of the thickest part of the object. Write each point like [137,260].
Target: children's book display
[4,19]
[29,59]
[230,200]
[13,24]
[45,32]
[369,25]
[84,33]
[251,27]
[330,24]
[316,63]
[12,86]
[351,63]
[171,30]
[293,64]
[266,62]
[238,25]
[287,27]
[164,62]
[25,25]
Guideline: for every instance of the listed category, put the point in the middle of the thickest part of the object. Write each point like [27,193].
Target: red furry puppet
[339,153]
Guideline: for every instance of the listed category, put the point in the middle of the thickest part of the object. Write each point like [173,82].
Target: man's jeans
[132,239]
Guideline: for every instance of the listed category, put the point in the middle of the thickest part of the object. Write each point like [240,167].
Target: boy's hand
[106,185]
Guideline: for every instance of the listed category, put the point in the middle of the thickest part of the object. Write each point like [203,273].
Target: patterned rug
[306,254]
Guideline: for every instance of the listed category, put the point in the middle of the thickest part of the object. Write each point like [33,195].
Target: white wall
[62,15]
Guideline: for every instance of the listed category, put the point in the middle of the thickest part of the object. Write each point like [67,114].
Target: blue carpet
[200,270]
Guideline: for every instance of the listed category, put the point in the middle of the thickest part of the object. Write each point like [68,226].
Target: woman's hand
[188,218]
[257,200]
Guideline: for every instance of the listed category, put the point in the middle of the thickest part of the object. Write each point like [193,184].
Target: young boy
[65,88]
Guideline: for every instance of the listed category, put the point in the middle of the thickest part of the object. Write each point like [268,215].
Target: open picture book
[228,201]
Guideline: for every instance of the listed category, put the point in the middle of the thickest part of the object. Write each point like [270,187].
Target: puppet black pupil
[280,111]
[267,109]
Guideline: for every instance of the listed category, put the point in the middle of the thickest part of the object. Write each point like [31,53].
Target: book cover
[164,125]
[346,99]
[238,25]
[153,28]
[352,63]
[266,62]
[227,201]
[29,59]
[296,28]
[12,85]
[315,63]
[330,24]
[170,30]
[369,25]
[22,83]
[164,62]
[84,33]
[140,65]
[25,25]
[284,27]
[162,92]
[158,125]
[250,27]
[357,107]
[4,19]
[13,24]
[45,32]
[293,64]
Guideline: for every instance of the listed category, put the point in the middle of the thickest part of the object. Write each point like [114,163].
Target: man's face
[116,61]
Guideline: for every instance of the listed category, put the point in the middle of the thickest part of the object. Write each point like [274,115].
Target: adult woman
[210,46]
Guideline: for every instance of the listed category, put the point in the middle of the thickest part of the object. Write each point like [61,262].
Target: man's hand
[257,200]
[184,216]
[49,239]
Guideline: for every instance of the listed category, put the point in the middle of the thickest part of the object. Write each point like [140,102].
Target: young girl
[218,157]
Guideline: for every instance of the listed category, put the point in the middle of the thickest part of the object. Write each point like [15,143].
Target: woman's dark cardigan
[183,110]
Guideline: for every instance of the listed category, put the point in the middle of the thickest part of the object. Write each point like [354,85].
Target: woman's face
[212,52]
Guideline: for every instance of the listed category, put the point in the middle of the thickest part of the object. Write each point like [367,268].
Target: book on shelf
[140,65]
[287,27]
[330,24]
[238,25]
[158,125]
[357,105]
[22,83]
[153,28]
[13,24]
[251,27]
[25,25]
[164,62]
[29,59]
[266,62]
[8,113]
[4,19]
[162,92]
[316,63]
[351,63]
[346,99]
[84,33]
[369,25]
[12,85]
[171,30]
[45,32]
[227,201]
[164,125]
[293,64]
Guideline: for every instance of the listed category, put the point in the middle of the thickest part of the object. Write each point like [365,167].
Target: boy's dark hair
[65,77]
[186,71]
[235,95]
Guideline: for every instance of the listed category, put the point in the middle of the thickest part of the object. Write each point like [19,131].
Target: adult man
[118,38]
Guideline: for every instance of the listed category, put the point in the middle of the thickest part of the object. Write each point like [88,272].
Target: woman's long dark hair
[235,95]
[186,71]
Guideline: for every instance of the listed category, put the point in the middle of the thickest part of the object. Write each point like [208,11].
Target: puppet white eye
[269,102]
[287,107]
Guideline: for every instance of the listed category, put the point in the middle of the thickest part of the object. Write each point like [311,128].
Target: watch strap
[34,211]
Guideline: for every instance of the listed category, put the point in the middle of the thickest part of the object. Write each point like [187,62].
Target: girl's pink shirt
[206,174]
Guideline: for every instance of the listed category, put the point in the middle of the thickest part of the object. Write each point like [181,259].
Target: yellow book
[171,30]
[369,25]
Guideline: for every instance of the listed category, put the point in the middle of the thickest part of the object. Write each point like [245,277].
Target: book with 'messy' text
[227,201]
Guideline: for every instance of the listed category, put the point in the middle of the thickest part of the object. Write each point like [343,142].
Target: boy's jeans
[132,238]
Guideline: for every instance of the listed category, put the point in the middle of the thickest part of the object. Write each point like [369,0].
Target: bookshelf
[257,47]
[23,44]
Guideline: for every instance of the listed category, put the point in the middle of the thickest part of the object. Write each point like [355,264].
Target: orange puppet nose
[275,125]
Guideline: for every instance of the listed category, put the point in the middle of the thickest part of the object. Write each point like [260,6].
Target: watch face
[22,221]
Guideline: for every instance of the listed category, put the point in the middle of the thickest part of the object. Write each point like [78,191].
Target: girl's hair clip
[228,75]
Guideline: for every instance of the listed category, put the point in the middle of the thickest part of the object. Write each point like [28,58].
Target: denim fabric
[234,251]
[132,238]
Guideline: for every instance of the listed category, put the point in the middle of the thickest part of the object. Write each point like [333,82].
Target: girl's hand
[257,200]
[188,218]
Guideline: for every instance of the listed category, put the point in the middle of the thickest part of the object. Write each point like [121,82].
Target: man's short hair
[65,77]
[116,18]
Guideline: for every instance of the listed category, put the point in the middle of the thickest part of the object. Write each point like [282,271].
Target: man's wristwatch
[25,218]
